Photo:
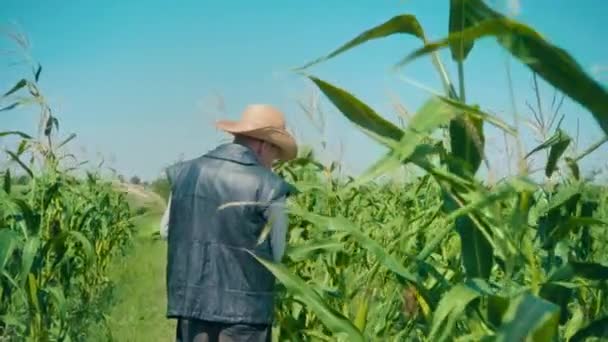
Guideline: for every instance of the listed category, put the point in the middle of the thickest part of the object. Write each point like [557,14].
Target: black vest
[210,274]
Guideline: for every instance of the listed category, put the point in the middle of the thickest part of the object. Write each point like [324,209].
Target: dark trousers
[204,331]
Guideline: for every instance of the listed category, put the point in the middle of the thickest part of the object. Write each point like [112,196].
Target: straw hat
[266,123]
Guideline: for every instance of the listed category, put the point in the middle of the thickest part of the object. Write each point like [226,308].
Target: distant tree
[135,180]
[161,187]
[121,178]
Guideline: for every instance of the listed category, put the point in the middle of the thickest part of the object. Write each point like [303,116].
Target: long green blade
[459,21]
[8,241]
[530,317]
[332,319]
[401,24]
[358,112]
[552,63]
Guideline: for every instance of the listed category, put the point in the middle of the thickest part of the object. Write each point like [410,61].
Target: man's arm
[164,222]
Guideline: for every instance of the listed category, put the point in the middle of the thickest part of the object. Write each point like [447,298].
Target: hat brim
[286,143]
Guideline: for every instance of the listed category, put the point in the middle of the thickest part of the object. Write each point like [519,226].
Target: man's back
[219,208]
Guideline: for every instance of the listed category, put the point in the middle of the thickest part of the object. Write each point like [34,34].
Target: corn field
[59,229]
[447,256]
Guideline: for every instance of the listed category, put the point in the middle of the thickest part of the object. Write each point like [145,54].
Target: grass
[139,312]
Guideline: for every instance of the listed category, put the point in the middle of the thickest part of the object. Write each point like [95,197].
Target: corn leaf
[598,328]
[30,250]
[67,140]
[451,306]
[37,72]
[309,250]
[459,21]
[21,134]
[22,83]
[557,143]
[9,107]
[401,24]
[529,317]
[9,240]
[7,181]
[332,319]
[358,112]
[591,271]
[430,117]
[559,295]
[15,158]
[552,63]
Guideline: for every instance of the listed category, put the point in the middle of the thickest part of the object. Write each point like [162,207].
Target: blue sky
[141,82]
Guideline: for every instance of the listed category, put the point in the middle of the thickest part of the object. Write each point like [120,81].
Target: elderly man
[219,205]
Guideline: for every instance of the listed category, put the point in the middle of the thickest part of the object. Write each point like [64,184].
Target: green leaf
[458,22]
[433,114]
[401,24]
[477,114]
[12,320]
[9,107]
[591,271]
[8,241]
[565,195]
[451,306]
[22,83]
[7,181]
[307,251]
[476,250]
[556,138]
[573,166]
[37,72]
[362,311]
[58,296]
[332,319]
[496,309]
[31,218]
[87,247]
[467,142]
[18,161]
[22,147]
[565,226]
[559,295]
[49,125]
[30,250]
[358,112]
[21,134]
[598,328]
[555,153]
[575,323]
[373,247]
[558,143]
[383,131]
[529,317]
[67,140]
[552,63]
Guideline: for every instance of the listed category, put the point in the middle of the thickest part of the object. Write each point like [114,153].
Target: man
[219,207]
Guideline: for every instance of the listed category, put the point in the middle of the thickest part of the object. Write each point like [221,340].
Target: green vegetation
[59,231]
[445,256]
[449,256]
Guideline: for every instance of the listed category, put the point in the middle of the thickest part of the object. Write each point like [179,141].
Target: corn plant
[58,232]
[448,257]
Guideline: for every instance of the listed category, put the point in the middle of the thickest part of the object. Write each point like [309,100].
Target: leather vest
[218,211]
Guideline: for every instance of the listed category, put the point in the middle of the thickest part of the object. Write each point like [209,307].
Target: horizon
[143,93]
